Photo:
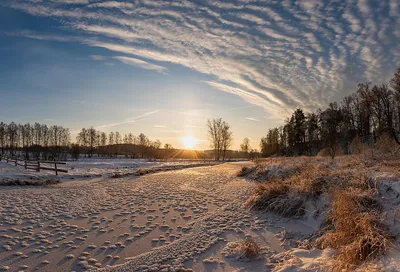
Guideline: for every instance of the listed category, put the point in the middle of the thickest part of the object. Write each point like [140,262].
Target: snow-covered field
[183,220]
[90,168]
[192,219]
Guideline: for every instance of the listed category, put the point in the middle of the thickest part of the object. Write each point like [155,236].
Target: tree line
[91,141]
[34,141]
[365,116]
[40,141]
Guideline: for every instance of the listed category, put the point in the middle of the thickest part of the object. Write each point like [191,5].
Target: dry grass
[18,182]
[355,220]
[244,171]
[277,197]
[117,175]
[275,168]
[288,197]
[249,249]
[141,172]
[359,233]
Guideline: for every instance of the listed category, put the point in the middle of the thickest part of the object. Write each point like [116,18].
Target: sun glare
[189,142]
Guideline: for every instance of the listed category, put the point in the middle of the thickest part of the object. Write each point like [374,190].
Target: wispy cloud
[273,54]
[128,120]
[97,57]
[252,119]
[140,63]
[159,126]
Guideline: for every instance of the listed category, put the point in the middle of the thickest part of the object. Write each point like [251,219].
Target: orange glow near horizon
[189,142]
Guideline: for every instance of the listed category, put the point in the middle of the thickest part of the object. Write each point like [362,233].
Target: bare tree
[103,139]
[118,138]
[220,137]
[168,146]
[92,139]
[245,146]
[12,131]
[130,138]
[143,142]
[111,138]
[215,137]
[82,138]
[227,138]
[3,134]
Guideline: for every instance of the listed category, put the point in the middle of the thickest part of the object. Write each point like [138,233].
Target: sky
[164,67]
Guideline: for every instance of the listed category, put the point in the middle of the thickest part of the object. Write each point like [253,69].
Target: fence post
[15,159]
[55,166]
[38,166]
[25,165]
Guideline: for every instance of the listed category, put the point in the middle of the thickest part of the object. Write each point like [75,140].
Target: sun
[189,142]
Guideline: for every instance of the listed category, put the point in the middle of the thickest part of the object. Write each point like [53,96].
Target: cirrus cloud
[277,55]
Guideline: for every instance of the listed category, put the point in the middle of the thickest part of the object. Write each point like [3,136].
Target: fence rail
[35,165]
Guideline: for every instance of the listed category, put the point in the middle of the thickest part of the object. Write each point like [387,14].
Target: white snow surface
[168,221]
[93,167]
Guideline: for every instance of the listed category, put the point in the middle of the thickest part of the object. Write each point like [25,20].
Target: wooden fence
[35,165]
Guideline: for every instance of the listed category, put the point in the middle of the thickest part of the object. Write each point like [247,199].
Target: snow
[172,221]
[305,260]
[181,220]
[90,168]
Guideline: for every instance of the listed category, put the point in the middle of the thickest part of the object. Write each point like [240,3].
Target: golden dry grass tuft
[249,249]
[142,172]
[277,197]
[359,233]
[355,220]
[244,171]
[386,144]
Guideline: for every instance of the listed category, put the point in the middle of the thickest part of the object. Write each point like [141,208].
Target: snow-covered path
[172,221]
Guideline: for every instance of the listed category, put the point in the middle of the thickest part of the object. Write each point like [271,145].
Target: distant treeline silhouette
[34,141]
[361,118]
[40,141]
